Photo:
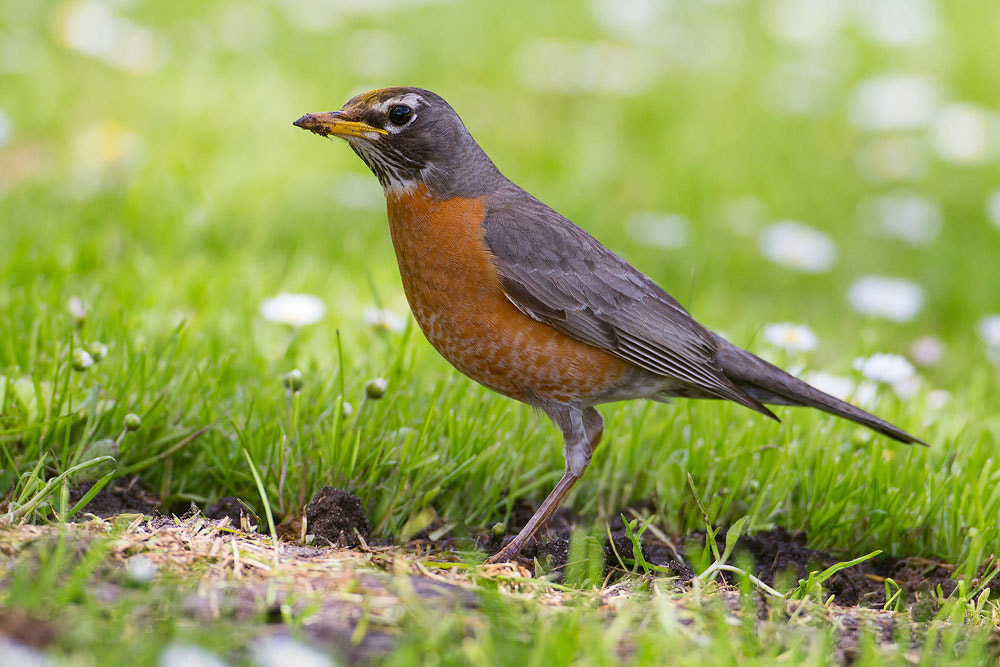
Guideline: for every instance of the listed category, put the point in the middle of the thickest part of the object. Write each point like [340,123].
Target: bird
[530,305]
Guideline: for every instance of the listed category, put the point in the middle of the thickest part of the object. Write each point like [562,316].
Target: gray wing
[558,274]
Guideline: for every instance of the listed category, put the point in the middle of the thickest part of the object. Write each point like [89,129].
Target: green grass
[175,246]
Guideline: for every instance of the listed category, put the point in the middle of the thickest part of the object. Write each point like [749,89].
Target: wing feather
[556,273]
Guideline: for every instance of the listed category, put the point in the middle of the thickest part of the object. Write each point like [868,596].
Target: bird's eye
[400,115]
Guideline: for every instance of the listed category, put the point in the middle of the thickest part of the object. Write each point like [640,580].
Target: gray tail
[769,384]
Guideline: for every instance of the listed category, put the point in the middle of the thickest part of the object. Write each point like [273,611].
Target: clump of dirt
[34,632]
[776,554]
[125,495]
[777,551]
[552,547]
[336,517]
[922,576]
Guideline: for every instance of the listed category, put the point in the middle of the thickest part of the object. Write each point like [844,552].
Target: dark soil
[779,554]
[125,495]
[553,548]
[229,506]
[336,517]
[776,555]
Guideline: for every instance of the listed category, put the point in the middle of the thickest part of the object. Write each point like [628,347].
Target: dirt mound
[776,554]
[336,517]
[125,495]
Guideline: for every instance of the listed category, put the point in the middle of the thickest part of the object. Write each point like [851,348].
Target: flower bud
[133,422]
[375,388]
[78,309]
[294,381]
[98,350]
[82,360]
[499,530]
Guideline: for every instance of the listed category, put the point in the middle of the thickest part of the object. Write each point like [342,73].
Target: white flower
[383,318]
[938,399]
[6,128]
[297,310]
[666,230]
[176,654]
[927,351]
[743,214]
[805,21]
[13,652]
[907,387]
[898,22]
[78,308]
[835,385]
[790,337]
[907,217]
[628,18]
[93,29]
[892,158]
[282,651]
[88,27]
[966,134]
[798,246]
[140,569]
[892,298]
[989,329]
[107,145]
[993,207]
[888,368]
[894,102]
[801,87]
[865,394]
[573,67]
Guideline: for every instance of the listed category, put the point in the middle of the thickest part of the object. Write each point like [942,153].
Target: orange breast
[454,292]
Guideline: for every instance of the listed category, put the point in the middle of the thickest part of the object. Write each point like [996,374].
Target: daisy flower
[297,310]
[791,337]
[798,246]
[895,299]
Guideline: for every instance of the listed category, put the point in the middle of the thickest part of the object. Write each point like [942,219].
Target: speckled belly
[455,295]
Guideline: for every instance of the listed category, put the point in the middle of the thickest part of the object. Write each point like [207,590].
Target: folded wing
[558,274]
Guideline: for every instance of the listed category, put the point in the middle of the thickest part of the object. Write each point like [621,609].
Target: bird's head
[409,136]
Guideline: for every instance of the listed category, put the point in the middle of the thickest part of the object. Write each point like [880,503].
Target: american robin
[525,302]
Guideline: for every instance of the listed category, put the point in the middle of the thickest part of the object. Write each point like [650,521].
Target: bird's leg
[593,422]
[593,426]
[582,432]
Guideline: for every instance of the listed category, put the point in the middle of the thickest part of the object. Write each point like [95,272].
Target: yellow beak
[331,122]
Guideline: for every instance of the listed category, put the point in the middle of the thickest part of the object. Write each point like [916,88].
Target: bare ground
[358,596]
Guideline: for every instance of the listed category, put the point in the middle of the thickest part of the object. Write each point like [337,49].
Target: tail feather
[769,384]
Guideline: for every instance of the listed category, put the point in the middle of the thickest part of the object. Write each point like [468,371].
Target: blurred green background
[149,168]
[144,140]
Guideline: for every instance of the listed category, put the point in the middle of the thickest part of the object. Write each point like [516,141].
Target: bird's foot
[508,553]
